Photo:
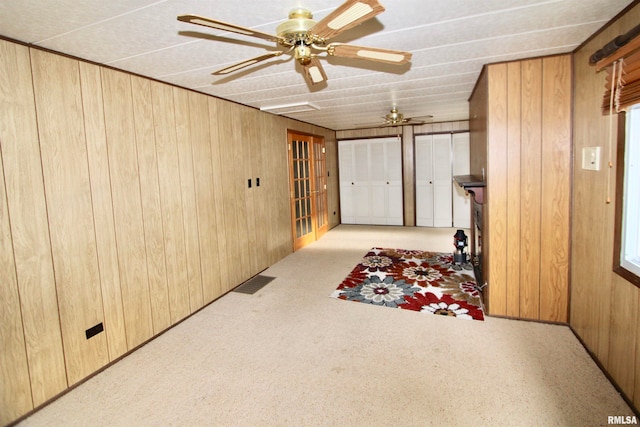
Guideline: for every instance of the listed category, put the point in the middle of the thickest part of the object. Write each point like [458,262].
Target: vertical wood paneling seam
[541,170]
[197,217]
[113,214]
[514,142]
[115,240]
[182,207]
[20,296]
[140,189]
[520,218]
[184,228]
[15,272]
[93,214]
[46,208]
[184,219]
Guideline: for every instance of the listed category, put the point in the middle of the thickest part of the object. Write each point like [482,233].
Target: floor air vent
[253,285]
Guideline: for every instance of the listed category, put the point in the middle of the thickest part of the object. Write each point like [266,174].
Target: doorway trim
[307,187]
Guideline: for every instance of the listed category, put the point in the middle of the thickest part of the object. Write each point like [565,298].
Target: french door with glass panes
[308,188]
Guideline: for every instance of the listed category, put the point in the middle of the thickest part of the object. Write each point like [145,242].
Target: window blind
[622,88]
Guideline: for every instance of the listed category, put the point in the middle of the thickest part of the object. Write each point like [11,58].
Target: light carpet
[289,355]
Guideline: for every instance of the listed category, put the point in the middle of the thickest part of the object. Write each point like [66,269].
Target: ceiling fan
[396,118]
[303,36]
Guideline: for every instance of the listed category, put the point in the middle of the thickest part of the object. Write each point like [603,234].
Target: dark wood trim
[627,399]
[607,25]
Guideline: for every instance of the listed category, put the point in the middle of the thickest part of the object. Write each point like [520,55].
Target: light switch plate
[591,158]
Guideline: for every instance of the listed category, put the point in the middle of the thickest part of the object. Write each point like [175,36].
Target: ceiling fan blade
[219,25]
[313,71]
[418,120]
[246,63]
[368,53]
[348,15]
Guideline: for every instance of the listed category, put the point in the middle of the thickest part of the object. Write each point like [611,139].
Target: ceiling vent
[290,108]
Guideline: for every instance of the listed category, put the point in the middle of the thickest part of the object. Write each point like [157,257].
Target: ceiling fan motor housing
[296,28]
[295,32]
[394,116]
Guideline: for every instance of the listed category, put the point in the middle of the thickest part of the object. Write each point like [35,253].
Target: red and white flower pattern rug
[416,280]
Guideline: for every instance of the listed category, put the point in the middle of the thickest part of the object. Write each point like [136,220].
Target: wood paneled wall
[604,306]
[124,201]
[521,139]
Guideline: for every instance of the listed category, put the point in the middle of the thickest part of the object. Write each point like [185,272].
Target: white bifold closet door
[371,181]
[438,202]
[461,166]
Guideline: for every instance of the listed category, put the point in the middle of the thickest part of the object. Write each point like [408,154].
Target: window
[629,202]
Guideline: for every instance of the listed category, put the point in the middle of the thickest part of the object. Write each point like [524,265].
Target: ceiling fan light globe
[302,53]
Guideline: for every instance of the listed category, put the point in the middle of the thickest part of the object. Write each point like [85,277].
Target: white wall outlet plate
[591,158]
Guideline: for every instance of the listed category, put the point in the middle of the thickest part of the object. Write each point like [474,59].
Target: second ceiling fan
[304,37]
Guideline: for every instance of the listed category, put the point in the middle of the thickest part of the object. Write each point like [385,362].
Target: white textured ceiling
[450,41]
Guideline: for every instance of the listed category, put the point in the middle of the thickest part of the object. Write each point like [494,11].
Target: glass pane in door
[320,187]
[302,185]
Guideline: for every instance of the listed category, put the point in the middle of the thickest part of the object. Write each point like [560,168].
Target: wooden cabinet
[520,140]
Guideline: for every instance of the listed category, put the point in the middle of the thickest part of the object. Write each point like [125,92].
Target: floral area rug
[428,282]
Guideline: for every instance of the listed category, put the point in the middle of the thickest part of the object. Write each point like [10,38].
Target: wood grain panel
[333,192]
[597,292]
[268,173]
[277,185]
[127,207]
[234,181]
[408,177]
[531,148]
[478,126]
[360,133]
[590,296]
[70,211]
[216,135]
[171,200]
[189,204]
[29,227]
[455,126]
[15,388]
[514,105]
[622,358]
[495,232]
[98,159]
[205,196]
[150,199]
[556,188]
[255,205]
[592,217]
